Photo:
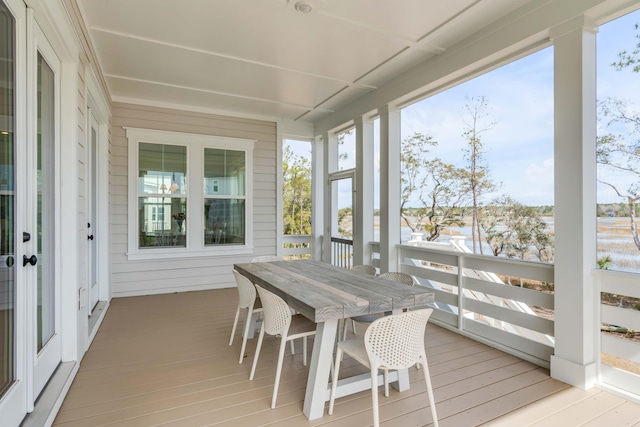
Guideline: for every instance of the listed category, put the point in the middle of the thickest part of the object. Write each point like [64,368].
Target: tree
[345,221]
[413,162]
[296,193]
[479,182]
[629,59]
[438,187]
[496,224]
[531,235]
[445,195]
[516,230]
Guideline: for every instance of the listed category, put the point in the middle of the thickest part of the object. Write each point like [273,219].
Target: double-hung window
[189,194]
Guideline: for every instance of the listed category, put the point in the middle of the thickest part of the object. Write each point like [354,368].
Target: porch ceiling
[264,58]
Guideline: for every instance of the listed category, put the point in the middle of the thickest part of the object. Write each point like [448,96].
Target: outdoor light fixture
[303,7]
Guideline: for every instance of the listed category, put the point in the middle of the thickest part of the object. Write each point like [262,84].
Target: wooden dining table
[325,294]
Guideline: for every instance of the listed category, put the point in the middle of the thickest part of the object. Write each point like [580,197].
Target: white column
[576,295]
[327,150]
[279,185]
[363,210]
[317,195]
[389,188]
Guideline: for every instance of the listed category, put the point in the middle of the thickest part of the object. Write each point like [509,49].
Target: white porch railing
[612,347]
[472,300]
[341,252]
[296,245]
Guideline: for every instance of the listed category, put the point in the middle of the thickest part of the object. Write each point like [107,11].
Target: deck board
[165,360]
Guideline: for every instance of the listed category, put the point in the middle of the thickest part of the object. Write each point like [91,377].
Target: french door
[30,348]
[41,178]
[92,210]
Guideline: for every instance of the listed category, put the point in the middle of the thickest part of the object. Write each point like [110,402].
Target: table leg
[254,325]
[318,381]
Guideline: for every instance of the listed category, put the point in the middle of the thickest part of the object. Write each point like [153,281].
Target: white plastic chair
[396,276]
[279,321]
[267,258]
[369,270]
[247,300]
[391,342]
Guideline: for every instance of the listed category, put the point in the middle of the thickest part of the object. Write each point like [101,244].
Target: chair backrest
[397,341]
[397,277]
[277,314]
[366,269]
[267,258]
[246,291]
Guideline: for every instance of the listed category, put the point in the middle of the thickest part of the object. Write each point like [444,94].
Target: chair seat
[300,325]
[356,349]
[367,318]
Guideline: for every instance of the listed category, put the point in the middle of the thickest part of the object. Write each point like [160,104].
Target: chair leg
[432,401]
[283,345]
[292,349]
[386,382]
[304,351]
[235,323]
[334,381]
[247,324]
[374,396]
[255,356]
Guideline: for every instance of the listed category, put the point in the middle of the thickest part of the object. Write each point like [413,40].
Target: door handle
[25,260]
[90,237]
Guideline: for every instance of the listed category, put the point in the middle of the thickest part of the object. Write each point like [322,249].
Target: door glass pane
[45,144]
[93,206]
[7,265]
[342,222]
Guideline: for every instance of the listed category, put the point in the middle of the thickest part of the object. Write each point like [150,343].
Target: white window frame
[195,143]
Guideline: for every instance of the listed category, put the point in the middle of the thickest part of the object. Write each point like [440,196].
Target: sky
[519,143]
[518,140]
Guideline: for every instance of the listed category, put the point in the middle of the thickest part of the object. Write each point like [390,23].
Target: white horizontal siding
[186,274]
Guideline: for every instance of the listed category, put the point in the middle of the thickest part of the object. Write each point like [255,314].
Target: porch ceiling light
[303,7]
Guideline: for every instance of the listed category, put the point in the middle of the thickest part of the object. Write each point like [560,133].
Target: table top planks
[321,291]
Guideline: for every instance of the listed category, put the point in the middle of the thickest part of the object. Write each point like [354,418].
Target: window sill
[178,253]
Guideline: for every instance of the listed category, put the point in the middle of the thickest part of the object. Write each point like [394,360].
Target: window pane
[224,172]
[162,169]
[224,222]
[347,150]
[618,151]
[168,229]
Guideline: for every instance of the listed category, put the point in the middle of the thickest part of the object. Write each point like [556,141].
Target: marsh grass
[614,239]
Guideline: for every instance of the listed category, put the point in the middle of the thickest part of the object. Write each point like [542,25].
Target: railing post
[460,293]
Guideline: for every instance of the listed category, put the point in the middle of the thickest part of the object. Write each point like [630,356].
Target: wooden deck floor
[165,360]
